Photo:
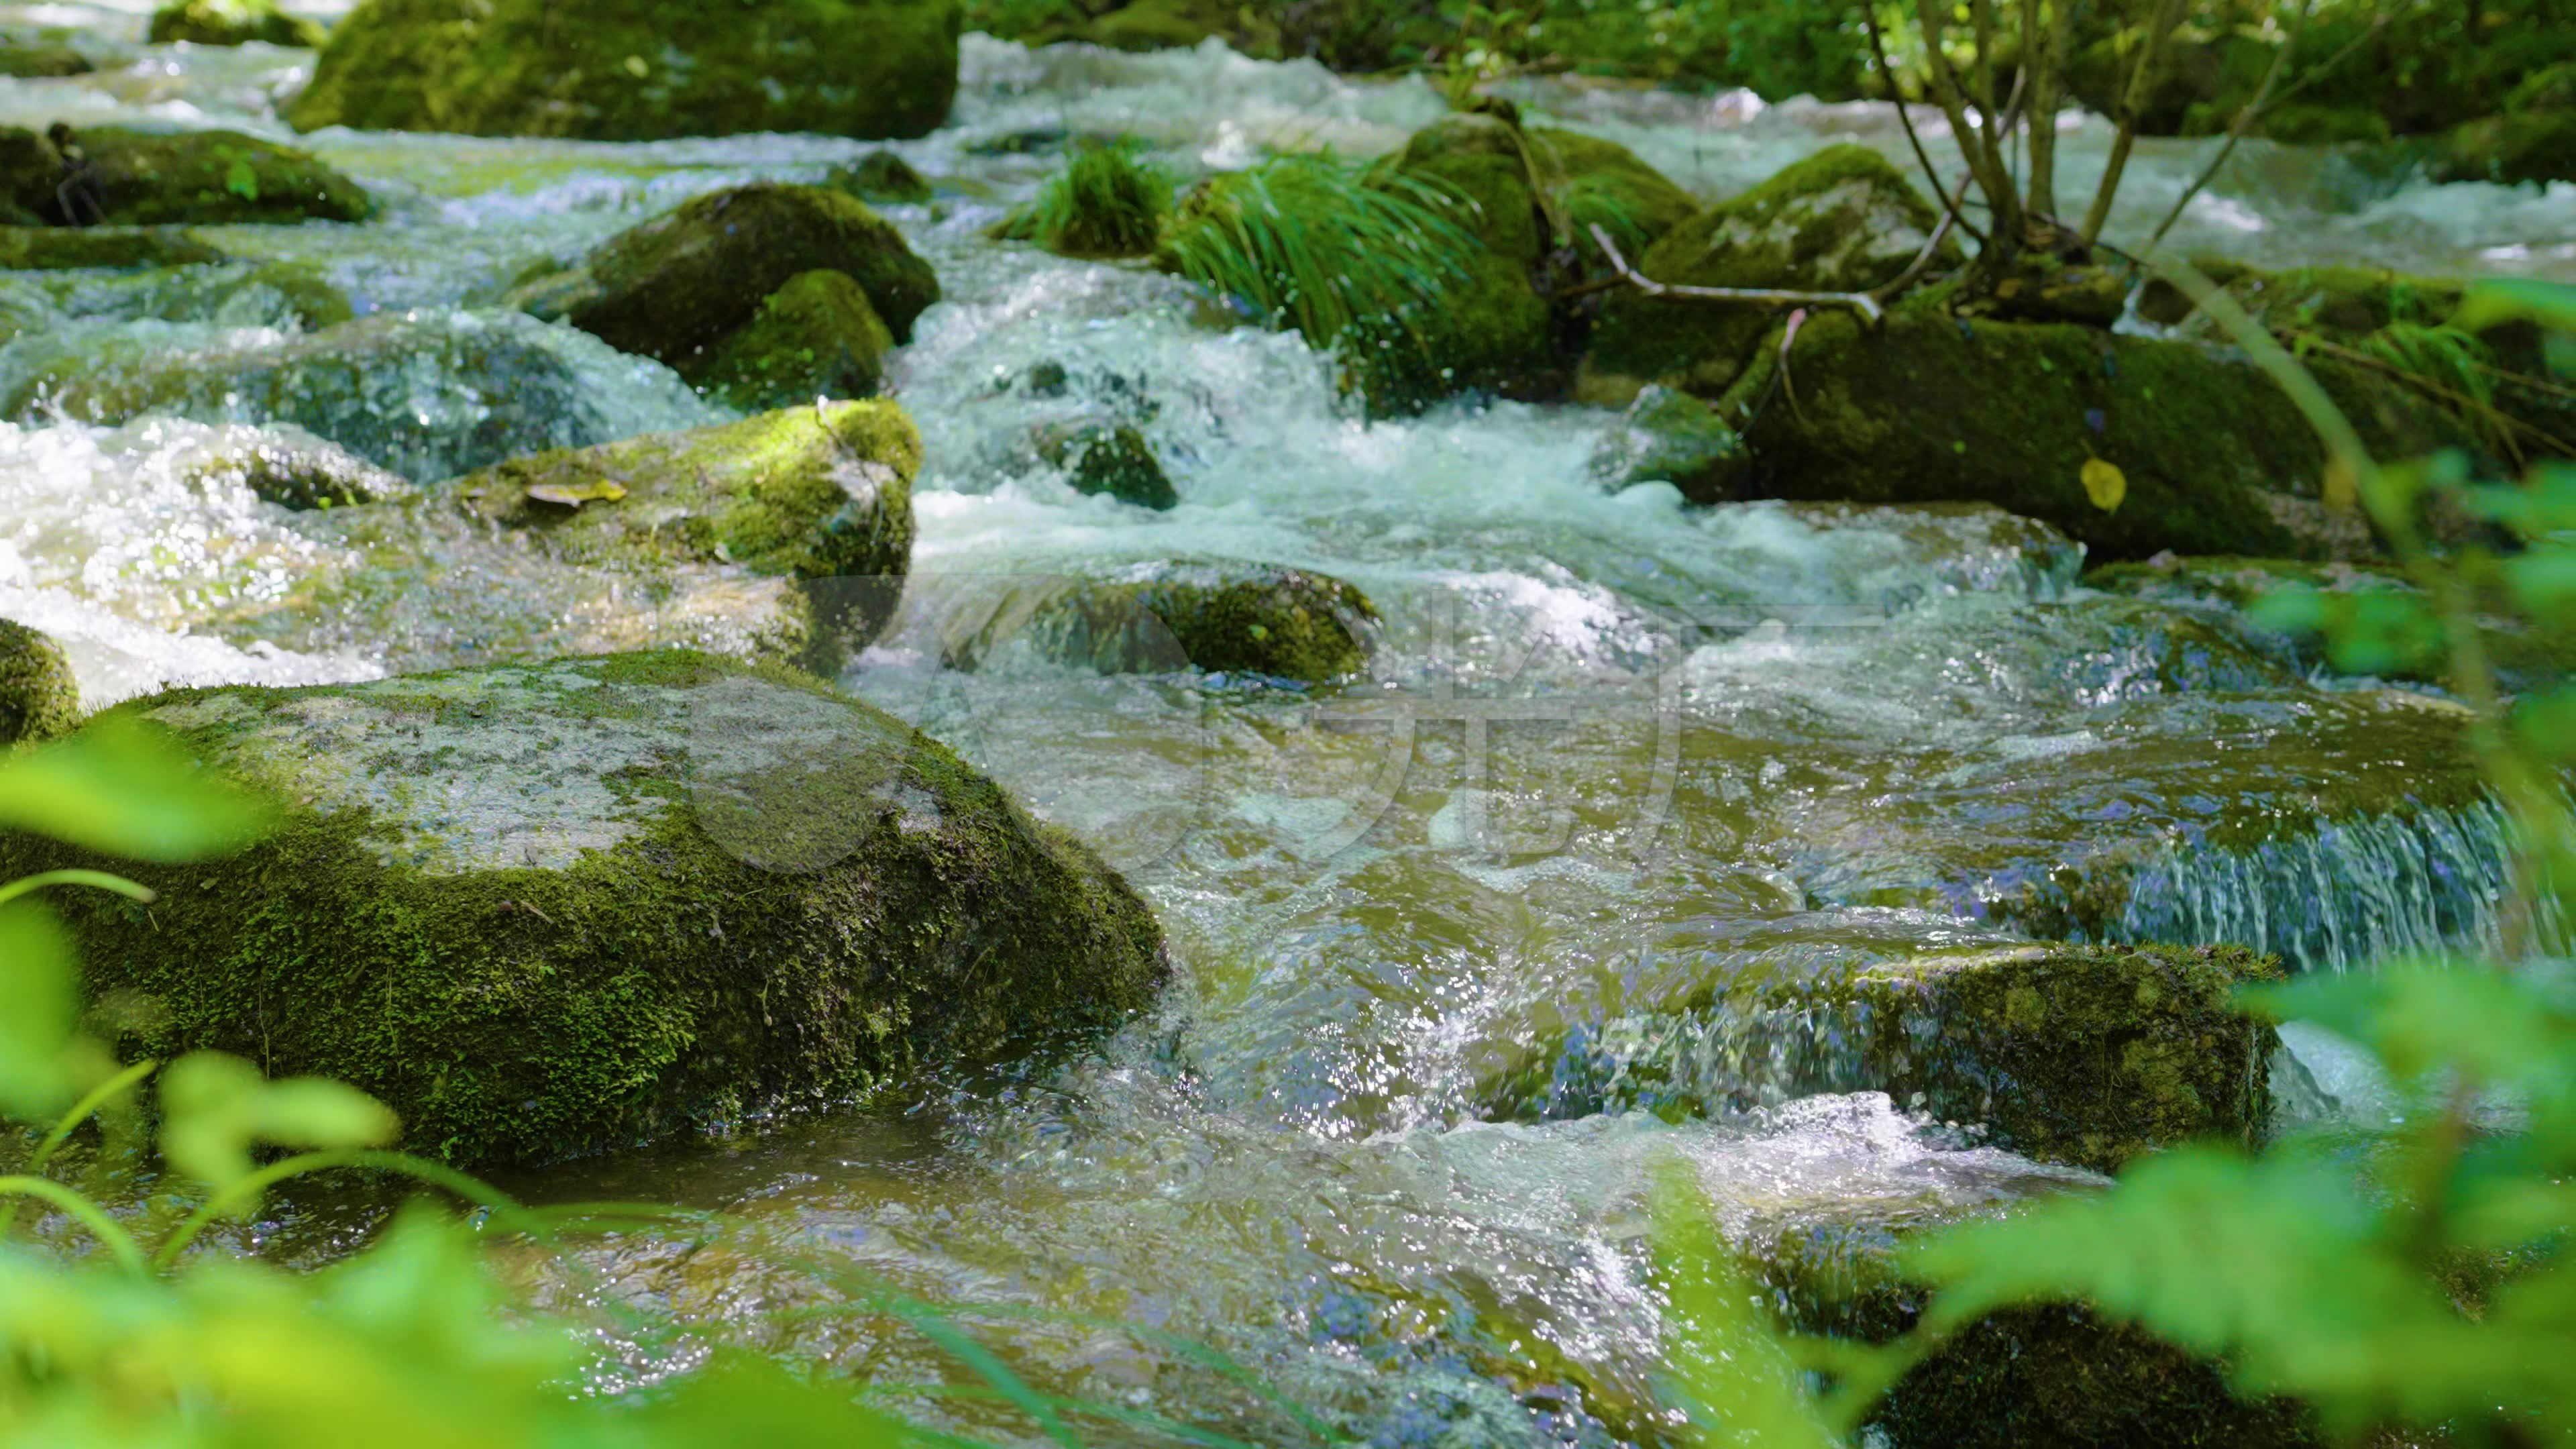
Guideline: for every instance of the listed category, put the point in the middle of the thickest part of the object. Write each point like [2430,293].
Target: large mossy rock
[1932,407]
[42,57]
[818,336]
[427,395]
[2085,1055]
[39,699]
[821,494]
[1842,220]
[678,286]
[2042,1374]
[1526,195]
[637,70]
[157,178]
[550,910]
[1223,617]
[231,22]
[63,248]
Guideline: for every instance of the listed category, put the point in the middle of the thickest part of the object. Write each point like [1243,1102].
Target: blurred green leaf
[2517,299]
[1733,1376]
[127,789]
[216,1107]
[39,1011]
[2420,1017]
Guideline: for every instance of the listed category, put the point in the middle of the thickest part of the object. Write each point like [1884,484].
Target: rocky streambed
[1006,778]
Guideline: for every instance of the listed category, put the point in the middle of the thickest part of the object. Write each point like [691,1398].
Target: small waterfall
[2345,894]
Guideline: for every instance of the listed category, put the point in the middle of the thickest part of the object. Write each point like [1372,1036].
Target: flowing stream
[1606,741]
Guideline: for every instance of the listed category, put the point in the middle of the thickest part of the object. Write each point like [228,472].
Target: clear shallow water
[1605,742]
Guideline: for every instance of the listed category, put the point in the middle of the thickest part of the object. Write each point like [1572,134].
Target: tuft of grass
[1303,242]
[1108,201]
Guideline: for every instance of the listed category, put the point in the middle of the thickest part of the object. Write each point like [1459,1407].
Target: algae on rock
[1161,616]
[154,178]
[1111,458]
[680,284]
[564,908]
[232,22]
[816,337]
[1842,220]
[63,248]
[637,70]
[39,699]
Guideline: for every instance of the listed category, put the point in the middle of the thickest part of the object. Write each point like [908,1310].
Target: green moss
[2511,149]
[1111,459]
[47,248]
[231,22]
[42,60]
[881,176]
[302,295]
[1230,618]
[1935,408]
[296,476]
[735,939]
[1671,437]
[682,282]
[817,336]
[770,493]
[153,178]
[2088,1055]
[1844,219]
[1177,24]
[634,70]
[39,699]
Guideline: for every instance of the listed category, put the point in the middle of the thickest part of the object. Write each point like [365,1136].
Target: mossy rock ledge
[681,286]
[232,22]
[1221,616]
[550,910]
[820,494]
[2084,1055]
[637,70]
[1931,407]
[107,248]
[188,178]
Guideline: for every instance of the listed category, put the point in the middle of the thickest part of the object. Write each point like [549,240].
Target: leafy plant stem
[108,1231]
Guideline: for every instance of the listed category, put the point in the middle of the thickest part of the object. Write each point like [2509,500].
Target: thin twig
[1896,93]
[2133,98]
[1887,291]
[1949,92]
[2257,108]
[1861,302]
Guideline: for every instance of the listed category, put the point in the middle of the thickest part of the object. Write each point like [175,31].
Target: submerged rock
[1671,437]
[427,395]
[1222,617]
[2086,1055]
[60,248]
[820,494]
[552,910]
[2214,458]
[1844,219]
[1109,458]
[155,178]
[232,22]
[287,467]
[295,296]
[39,699]
[42,58]
[680,284]
[637,70]
[881,176]
[816,337]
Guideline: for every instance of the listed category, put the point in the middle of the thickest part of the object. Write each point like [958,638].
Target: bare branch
[2001,198]
[2142,81]
[2043,67]
[1863,303]
[2260,106]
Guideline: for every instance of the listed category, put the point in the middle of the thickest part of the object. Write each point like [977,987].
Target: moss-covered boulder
[637,70]
[2086,1055]
[1671,437]
[821,494]
[156,178]
[231,22]
[1842,220]
[59,249]
[1154,617]
[1111,458]
[817,336]
[556,909]
[425,394]
[883,177]
[679,285]
[2212,456]
[2047,1373]
[287,467]
[42,58]
[39,699]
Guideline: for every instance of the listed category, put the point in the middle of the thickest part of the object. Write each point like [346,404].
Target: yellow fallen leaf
[2105,484]
[574,495]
